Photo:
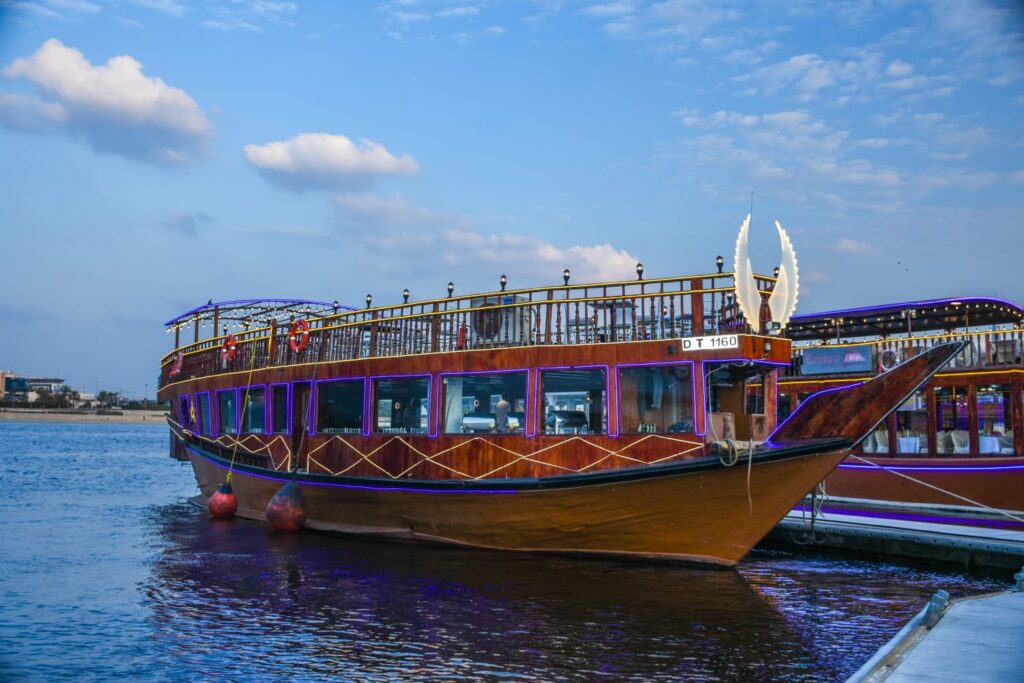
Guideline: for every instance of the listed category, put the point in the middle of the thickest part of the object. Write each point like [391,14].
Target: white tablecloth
[988,444]
[907,444]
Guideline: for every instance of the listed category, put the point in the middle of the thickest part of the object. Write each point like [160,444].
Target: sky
[155,154]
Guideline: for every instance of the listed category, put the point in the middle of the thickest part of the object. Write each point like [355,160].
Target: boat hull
[996,483]
[705,516]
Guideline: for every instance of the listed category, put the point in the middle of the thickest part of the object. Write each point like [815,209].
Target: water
[107,572]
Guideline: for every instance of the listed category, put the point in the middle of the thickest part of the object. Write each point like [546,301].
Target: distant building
[50,384]
[13,386]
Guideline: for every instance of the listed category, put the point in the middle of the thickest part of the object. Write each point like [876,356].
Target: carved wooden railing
[560,315]
[985,349]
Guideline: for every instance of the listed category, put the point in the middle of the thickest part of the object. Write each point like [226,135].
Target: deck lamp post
[504,281]
[639,271]
[405,295]
[369,300]
[719,261]
[565,276]
[775,273]
[451,289]
[335,305]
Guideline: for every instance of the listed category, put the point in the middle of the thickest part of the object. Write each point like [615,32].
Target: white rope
[938,488]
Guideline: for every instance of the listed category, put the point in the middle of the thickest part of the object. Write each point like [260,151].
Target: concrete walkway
[977,640]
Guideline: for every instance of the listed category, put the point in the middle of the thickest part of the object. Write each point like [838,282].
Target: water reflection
[231,597]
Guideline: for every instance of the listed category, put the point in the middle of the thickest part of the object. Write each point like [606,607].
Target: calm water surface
[107,572]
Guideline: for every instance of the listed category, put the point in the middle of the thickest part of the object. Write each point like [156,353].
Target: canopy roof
[890,319]
[257,310]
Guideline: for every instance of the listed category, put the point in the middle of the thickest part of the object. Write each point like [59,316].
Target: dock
[973,640]
[895,535]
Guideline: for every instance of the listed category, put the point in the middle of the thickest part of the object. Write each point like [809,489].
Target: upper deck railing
[987,349]
[629,310]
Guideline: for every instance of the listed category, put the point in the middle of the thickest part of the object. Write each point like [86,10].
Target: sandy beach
[128,416]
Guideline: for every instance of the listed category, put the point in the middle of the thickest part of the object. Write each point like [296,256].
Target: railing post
[696,307]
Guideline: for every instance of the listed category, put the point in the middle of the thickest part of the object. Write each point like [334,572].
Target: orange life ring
[227,350]
[298,335]
[179,360]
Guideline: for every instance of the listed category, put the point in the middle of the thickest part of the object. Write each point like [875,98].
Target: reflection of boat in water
[252,605]
[367,411]
[959,439]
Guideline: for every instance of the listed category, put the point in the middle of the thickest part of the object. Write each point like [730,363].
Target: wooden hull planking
[996,483]
[700,516]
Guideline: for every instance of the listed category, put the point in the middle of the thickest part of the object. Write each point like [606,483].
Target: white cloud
[114,107]
[609,9]
[322,160]
[458,11]
[899,69]
[465,37]
[401,232]
[168,7]
[845,245]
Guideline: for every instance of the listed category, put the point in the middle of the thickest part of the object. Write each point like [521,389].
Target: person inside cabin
[411,415]
[501,411]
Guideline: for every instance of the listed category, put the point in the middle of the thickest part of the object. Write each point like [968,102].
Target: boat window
[574,401]
[656,399]
[254,410]
[953,420]
[227,420]
[184,415]
[485,403]
[784,407]
[205,423]
[279,408]
[995,419]
[402,405]
[912,424]
[339,406]
[755,398]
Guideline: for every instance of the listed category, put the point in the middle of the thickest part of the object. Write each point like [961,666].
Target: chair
[882,441]
[869,444]
[961,441]
[943,442]
[1006,443]
[922,444]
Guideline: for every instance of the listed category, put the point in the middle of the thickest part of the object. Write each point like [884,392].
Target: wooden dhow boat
[604,419]
[957,444]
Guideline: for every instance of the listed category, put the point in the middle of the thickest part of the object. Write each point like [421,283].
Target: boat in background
[958,441]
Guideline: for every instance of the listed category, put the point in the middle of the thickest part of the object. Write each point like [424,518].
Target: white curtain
[453,405]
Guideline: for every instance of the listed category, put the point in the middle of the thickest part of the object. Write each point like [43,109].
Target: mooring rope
[938,488]
[245,401]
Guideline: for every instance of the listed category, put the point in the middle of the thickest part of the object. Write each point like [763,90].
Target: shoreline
[127,417]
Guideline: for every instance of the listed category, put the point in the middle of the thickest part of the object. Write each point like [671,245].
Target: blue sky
[159,153]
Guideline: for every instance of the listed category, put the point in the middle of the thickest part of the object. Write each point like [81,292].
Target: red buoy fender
[298,335]
[223,503]
[286,511]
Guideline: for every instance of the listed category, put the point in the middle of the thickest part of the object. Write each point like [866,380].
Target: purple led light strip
[938,469]
[526,398]
[693,385]
[908,304]
[609,387]
[804,402]
[372,415]
[316,395]
[239,302]
[363,487]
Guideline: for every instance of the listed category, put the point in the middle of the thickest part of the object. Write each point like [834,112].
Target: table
[908,444]
[988,444]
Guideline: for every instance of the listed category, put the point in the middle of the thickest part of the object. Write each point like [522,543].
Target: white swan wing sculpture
[747,296]
[782,301]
